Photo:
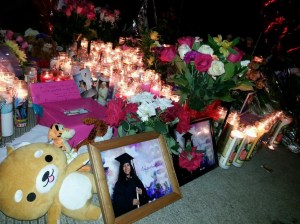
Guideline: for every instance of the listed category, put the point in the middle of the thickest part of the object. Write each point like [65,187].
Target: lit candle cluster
[123,67]
[237,143]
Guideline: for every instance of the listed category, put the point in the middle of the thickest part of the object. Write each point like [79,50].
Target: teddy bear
[59,136]
[36,180]
[100,132]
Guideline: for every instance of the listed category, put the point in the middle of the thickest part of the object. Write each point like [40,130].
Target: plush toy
[44,47]
[100,132]
[35,180]
[59,136]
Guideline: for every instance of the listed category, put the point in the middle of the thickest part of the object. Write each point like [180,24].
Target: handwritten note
[54,91]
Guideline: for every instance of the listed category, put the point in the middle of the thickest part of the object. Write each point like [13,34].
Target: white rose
[216,69]
[183,49]
[245,63]
[206,49]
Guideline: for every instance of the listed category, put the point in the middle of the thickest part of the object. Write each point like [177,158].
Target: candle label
[20,112]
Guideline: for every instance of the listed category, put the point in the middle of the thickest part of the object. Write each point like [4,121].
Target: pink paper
[54,91]
[54,112]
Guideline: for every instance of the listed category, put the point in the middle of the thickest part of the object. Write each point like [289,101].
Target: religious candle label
[20,112]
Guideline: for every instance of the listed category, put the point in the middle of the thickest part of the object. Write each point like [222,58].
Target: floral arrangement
[106,24]
[72,21]
[15,43]
[206,71]
[146,112]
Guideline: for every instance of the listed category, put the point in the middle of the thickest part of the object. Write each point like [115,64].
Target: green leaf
[235,41]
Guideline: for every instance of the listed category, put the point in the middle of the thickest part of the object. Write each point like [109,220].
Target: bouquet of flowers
[146,112]
[206,71]
[73,21]
[106,24]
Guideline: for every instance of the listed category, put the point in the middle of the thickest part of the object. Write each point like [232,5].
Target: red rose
[186,40]
[168,54]
[203,62]
[235,57]
[184,121]
[190,160]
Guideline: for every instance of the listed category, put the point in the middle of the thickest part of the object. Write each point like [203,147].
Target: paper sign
[54,91]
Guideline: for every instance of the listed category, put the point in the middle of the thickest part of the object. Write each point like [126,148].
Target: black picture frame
[207,147]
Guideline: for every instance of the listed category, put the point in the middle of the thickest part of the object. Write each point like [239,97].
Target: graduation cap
[124,158]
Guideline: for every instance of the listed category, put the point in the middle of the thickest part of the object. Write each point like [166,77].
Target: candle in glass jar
[230,145]
[46,76]
[240,156]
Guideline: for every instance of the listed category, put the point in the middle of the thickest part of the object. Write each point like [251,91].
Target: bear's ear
[9,149]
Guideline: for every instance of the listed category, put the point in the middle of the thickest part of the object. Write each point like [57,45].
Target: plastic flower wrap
[207,71]
[146,112]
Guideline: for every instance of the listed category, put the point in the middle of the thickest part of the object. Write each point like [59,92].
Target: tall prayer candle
[245,145]
[230,145]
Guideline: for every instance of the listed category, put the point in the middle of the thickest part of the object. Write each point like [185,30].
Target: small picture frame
[153,166]
[83,80]
[202,157]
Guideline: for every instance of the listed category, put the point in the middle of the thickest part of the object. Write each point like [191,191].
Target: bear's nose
[45,176]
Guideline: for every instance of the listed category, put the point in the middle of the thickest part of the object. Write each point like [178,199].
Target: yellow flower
[150,60]
[154,35]
[224,47]
[218,40]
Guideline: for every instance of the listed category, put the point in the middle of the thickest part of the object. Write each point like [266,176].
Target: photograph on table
[198,153]
[134,176]
[84,81]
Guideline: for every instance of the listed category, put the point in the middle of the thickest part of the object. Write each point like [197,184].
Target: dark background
[177,18]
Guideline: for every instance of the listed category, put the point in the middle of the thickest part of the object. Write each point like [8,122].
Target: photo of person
[83,80]
[102,90]
[129,192]
[136,174]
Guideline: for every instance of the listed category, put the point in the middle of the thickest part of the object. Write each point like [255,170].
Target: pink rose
[19,39]
[69,11]
[190,160]
[235,57]
[186,40]
[79,10]
[24,45]
[168,54]
[91,15]
[9,34]
[203,62]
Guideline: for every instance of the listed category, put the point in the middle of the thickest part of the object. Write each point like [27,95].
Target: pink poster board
[47,92]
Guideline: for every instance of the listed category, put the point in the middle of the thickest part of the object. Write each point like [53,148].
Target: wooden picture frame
[204,147]
[152,163]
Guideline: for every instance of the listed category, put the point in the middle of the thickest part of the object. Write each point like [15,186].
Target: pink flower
[115,113]
[24,45]
[79,10]
[9,34]
[235,57]
[19,39]
[186,40]
[203,62]
[91,15]
[168,54]
[190,160]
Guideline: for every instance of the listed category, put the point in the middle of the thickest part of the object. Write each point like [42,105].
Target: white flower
[245,63]
[146,110]
[144,97]
[216,69]
[183,49]
[163,103]
[206,49]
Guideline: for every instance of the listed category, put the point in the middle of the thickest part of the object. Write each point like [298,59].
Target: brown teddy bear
[101,131]
[35,180]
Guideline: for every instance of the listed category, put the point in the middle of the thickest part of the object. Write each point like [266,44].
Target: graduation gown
[124,193]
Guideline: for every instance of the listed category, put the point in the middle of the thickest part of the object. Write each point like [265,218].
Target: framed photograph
[198,151]
[134,175]
[83,80]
